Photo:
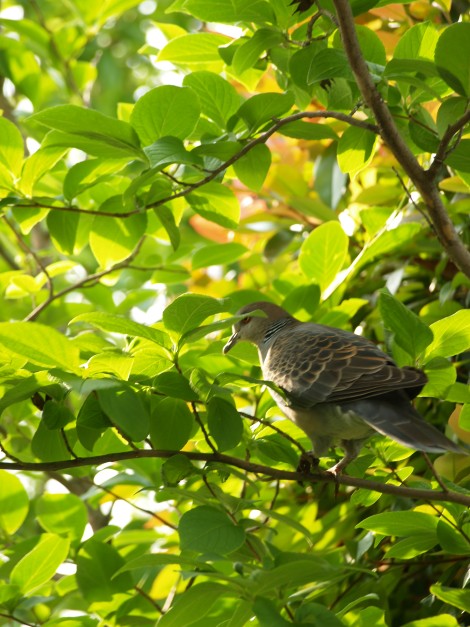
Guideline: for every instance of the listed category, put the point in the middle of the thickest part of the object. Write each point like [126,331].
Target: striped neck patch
[274,328]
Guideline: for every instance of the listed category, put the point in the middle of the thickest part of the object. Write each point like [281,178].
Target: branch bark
[425,181]
[258,469]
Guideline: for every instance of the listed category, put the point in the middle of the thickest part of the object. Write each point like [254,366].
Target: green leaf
[168,150]
[174,470]
[40,344]
[165,110]
[257,11]
[451,335]
[452,596]
[97,563]
[63,514]
[452,57]
[411,547]
[459,157]
[25,388]
[441,375]
[113,239]
[307,130]
[464,418]
[90,125]
[401,524]
[175,385]
[418,42]
[253,167]
[206,329]
[224,422]
[63,229]
[216,203]
[263,108]
[450,110]
[217,254]
[453,541]
[386,242]
[439,620]
[126,409]
[49,445]
[329,180]
[267,613]
[14,503]
[188,311]
[409,332]
[193,605]
[249,52]
[171,424]
[11,147]
[86,174]
[194,48]
[167,219]
[56,415]
[218,98]
[209,530]
[110,362]
[91,422]
[355,149]
[329,63]
[324,253]
[39,565]
[371,45]
[298,572]
[112,323]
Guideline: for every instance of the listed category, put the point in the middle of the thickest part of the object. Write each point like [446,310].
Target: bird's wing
[315,364]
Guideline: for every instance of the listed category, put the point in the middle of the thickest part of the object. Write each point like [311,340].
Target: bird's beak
[231,343]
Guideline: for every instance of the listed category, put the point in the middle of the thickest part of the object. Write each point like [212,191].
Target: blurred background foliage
[148,187]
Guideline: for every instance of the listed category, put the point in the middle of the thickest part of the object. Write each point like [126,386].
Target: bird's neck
[275,327]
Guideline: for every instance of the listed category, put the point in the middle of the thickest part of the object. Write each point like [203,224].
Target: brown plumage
[340,387]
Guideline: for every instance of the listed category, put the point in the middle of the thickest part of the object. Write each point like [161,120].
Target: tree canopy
[163,163]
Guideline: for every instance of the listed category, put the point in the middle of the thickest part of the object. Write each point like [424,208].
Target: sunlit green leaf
[324,253]
[40,564]
[14,503]
[165,111]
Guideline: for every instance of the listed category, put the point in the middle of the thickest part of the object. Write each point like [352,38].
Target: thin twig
[28,250]
[412,200]
[272,426]
[91,278]
[133,505]
[147,596]
[443,150]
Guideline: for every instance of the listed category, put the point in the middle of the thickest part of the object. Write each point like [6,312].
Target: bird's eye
[245,320]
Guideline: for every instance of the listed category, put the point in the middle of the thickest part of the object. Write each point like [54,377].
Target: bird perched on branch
[338,387]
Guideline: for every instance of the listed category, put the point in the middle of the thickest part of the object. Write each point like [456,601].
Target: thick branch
[258,469]
[389,132]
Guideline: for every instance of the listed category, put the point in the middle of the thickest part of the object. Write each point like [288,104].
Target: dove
[338,387]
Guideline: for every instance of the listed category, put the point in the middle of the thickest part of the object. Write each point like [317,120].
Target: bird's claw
[307,462]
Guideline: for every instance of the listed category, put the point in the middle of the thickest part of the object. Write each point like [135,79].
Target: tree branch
[258,469]
[443,150]
[91,278]
[425,183]
[29,251]
[190,187]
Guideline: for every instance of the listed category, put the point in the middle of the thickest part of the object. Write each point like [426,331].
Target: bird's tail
[400,421]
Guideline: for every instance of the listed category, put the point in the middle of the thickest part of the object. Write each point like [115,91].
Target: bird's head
[256,320]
